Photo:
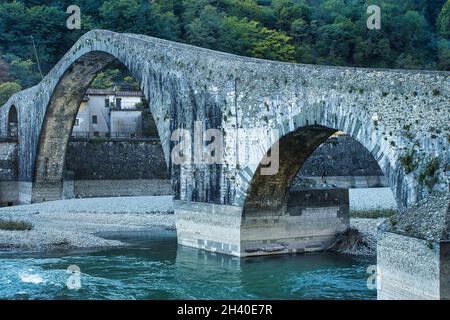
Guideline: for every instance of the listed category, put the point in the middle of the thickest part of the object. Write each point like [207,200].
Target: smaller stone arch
[12,128]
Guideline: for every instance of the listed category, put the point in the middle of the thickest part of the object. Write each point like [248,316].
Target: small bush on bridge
[428,175]
[408,162]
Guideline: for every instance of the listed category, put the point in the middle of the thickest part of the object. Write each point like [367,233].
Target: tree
[250,9]
[47,25]
[299,30]
[204,30]
[24,72]
[287,11]
[373,52]
[131,83]
[238,36]
[415,33]
[3,71]
[7,89]
[444,54]
[134,16]
[107,79]
[336,42]
[167,26]
[273,45]
[443,21]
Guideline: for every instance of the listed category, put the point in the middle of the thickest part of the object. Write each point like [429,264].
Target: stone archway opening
[9,148]
[93,139]
[292,211]
[114,149]
[13,122]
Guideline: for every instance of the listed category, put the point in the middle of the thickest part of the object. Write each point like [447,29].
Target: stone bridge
[401,117]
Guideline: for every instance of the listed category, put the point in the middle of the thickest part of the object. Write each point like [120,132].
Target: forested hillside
[414,34]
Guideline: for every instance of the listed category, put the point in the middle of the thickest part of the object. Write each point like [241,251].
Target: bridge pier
[311,221]
[46,191]
[413,257]
[412,269]
[208,226]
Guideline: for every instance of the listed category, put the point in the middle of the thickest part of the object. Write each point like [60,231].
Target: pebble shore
[77,223]
[73,224]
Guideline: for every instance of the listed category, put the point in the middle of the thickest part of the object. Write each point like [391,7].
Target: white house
[106,112]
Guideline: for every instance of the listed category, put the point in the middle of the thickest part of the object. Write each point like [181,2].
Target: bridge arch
[300,136]
[61,112]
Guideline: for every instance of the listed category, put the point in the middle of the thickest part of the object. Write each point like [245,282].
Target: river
[155,267]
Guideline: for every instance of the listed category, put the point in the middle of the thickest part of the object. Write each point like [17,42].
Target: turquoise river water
[155,267]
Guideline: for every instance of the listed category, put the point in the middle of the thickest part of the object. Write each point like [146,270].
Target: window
[77,122]
[94,119]
[106,103]
[119,103]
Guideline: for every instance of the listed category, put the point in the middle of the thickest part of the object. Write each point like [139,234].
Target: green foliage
[3,71]
[115,77]
[130,83]
[106,79]
[409,162]
[238,35]
[415,33]
[273,45]
[443,21]
[205,29]
[15,225]
[24,72]
[127,16]
[443,47]
[96,141]
[139,16]
[393,221]
[7,89]
[373,214]
[428,176]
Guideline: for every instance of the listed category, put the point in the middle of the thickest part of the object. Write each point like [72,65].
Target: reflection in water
[154,267]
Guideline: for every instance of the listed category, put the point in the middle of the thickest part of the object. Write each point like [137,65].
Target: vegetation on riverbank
[15,225]
[373,214]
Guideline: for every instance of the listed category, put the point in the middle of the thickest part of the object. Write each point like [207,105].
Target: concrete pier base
[412,269]
[9,193]
[305,225]
[413,254]
[267,235]
[47,191]
[209,226]
[310,221]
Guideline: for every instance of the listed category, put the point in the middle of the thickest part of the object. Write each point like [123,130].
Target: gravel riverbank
[78,223]
[71,224]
